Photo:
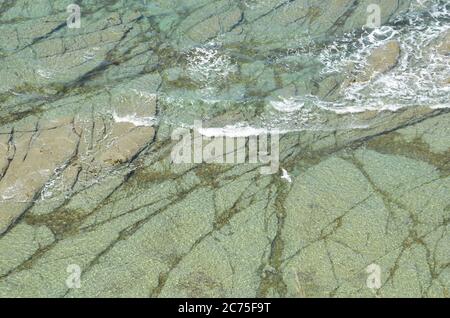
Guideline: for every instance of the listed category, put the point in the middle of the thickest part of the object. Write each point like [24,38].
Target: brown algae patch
[209,172]
[143,177]
[61,222]
[417,149]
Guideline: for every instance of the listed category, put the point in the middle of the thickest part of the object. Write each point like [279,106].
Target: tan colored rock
[37,155]
[126,141]
[106,142]
[382,60]
[4,153]
[444,46]
[130,132]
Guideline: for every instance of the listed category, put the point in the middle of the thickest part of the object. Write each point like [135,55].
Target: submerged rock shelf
[92,203]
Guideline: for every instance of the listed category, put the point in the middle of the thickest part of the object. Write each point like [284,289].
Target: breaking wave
[420,78]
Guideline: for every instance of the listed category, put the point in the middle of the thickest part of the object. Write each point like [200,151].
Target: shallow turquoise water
[93,204]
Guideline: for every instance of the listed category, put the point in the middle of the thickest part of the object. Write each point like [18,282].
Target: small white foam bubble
[44,73]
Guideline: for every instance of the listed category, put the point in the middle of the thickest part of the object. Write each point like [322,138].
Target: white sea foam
[134,119]
[233,131]
[287,104]
[47,74]
[441,106]
[207,64]
[420,78]
[421,75]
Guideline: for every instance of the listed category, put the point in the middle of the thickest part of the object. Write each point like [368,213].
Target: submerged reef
[354,94]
